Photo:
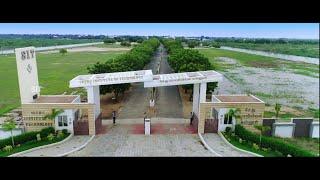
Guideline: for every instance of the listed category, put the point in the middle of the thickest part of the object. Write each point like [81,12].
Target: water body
[275,55]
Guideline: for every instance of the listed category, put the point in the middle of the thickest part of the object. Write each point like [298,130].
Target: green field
[55,72]
[301,49]
[251,60]
[8,43]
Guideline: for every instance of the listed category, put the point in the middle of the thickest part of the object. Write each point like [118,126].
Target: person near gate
[191,117]
[114,116]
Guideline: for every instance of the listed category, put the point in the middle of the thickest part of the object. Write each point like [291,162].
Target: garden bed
[30,140]
[268,146]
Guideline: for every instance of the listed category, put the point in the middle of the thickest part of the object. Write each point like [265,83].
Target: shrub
[63,51]
[19,139]
[46,131]
[255,146]
[60,134]
[228,130]
[7,148]
[50,137]
[272,143]
[65,131]
[109,41]
[125,43]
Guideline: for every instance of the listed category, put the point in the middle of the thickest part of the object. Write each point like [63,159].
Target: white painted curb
[41,147]
[208,147]
[234,147]
[77,149]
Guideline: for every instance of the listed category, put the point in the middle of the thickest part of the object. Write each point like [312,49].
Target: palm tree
[54,113]
[277,109]
[10,125]
[234,113]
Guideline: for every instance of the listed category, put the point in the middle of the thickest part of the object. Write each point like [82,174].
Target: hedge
[25,137]
[269,142]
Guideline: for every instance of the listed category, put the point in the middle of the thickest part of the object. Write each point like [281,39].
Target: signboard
[111,78]
[183,78]
[27,74]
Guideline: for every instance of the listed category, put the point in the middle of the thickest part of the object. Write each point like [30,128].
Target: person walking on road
[114,116]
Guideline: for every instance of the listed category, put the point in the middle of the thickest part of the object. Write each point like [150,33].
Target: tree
[277,108]
[54,113]
[193,43]
[63,51]
[9,125]
[234,113]
[262,130]
[125,43]
[109,41]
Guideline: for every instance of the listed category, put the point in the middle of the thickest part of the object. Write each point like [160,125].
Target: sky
[249,30]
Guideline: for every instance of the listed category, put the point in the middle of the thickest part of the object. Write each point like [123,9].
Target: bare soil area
[89,49]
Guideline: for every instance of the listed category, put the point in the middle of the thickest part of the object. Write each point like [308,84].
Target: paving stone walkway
[71,144]
[218,145]
[119,142]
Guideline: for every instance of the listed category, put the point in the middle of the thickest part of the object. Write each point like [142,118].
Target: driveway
[119,142]
[168,102]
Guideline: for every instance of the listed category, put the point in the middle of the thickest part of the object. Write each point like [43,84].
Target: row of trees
[187,60]
[133,60]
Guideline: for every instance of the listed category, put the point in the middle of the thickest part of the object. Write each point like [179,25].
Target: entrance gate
[199,80]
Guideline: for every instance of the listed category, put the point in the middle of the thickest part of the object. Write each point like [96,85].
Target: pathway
[119,142]
[57,150]
[218,145]
[168,102]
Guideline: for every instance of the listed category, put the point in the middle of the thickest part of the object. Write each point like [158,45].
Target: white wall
[70,116]
[283,129]
[221,125]
[314,130]
[6,134]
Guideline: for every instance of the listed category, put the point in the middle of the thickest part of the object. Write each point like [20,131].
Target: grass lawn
[31,144]
[55,71]
[310,144]
[251,60]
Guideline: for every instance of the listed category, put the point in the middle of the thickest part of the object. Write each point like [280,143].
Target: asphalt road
[168,101]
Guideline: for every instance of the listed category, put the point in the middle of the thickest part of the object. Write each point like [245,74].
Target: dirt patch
[107,104]
[88,49]
[187,105]
[226,60]
[262,64]
[284,110]
[273,86]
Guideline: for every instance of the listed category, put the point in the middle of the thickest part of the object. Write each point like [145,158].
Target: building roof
[236,98]
[56,99]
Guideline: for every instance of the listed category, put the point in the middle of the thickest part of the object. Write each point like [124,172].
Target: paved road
[168,102]
[119,142]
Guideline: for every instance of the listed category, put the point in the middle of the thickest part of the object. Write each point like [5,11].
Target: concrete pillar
[93,95]
[203,90]
[195,103]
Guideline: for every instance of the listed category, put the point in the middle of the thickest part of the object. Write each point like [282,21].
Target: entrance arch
[199,78]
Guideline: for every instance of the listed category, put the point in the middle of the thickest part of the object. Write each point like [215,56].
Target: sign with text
[27,73]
